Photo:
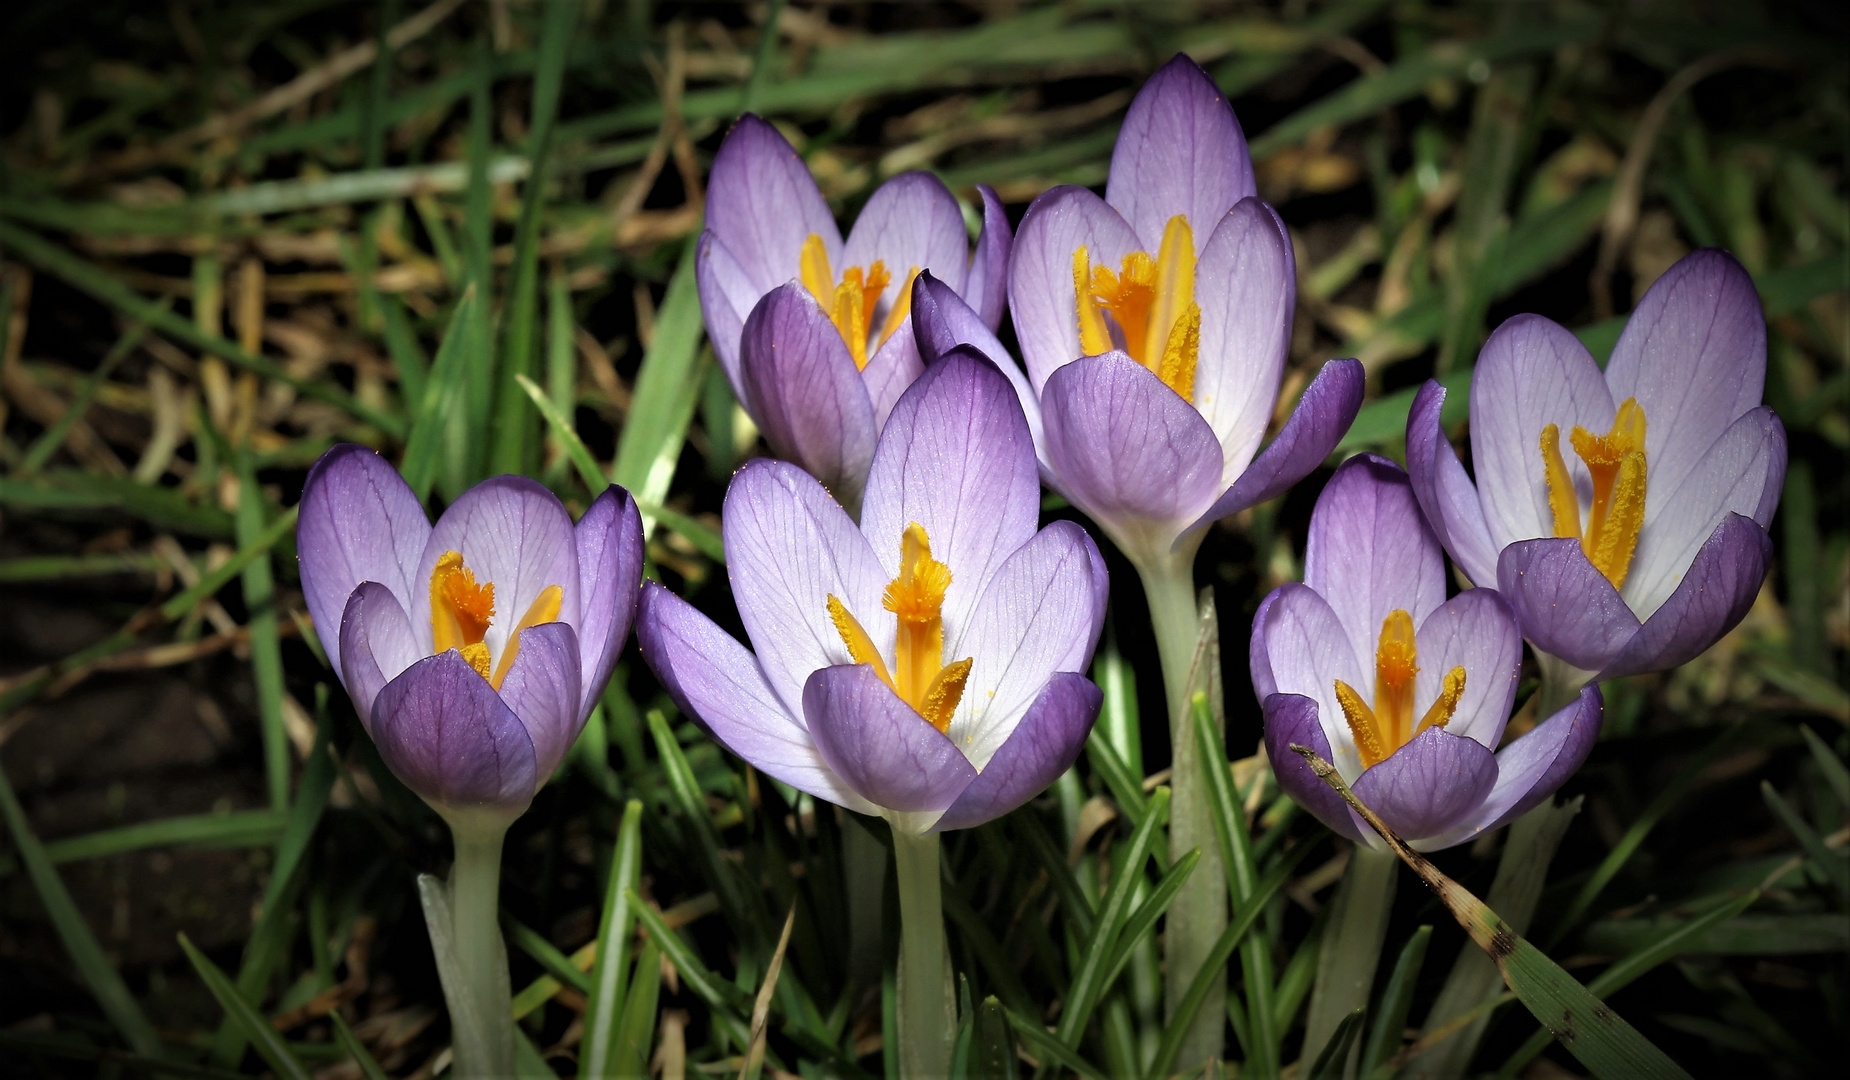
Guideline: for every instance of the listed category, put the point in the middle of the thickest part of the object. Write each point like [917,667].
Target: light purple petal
[889,754]
[803,389]
[956,458]
[1300,649]
[910,221]
[359,522]
[762,203]
[1370,552]
[513,534]
[1292,718]
[1709,601]
[1246,284]
[721,687]
[1447,497]
[1740,473]
[1531,373]
[1564,605]
[543,687]
[1041,297]
[1530,769]
[727,296]
[941,321]
[1319,422]
[894,366]
[1180,151]
[987,283]
[1477,631]
[1044,745]
[609,543]
[1694,355]
[1039,615]
[446,733]
[1130,453]
[376,644]
[789,547]
[1429,785]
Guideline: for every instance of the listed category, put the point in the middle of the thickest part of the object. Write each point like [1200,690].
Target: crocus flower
[923,665]
[1155,323]
[811,331]
[1405,692]
[1643,539]
[474,650]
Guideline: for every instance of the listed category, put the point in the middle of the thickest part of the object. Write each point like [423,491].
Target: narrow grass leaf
[1834,865]
[265,643]
[1396,1000]
[1329,1064]
[1088,983]
[636,1027]
[1143,920]
[442,399]
[761,1006]
[253,1024]
[52,438]
[613,934]
[667,389]
[1046,1046]
[1829,764]
[546,954]
[355,1048]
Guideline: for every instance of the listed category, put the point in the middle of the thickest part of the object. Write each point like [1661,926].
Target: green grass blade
[111,993]
[74,490]
[440,407]
[693,806]
[52,438]
[667,389]
[1329,1064]
[401,344]
[1088,985]
[636,1027]
[726,1000]
[512,450]
[1125,787]
[239,828]
[355,1048]
[465,434]
[1044,1045]
[1143,920]
[60,263]
[1396,1000]
[1829,764]
[265,644]
[613,933]
[1833,864]
[546,954]
[254,1026]
[992,1043]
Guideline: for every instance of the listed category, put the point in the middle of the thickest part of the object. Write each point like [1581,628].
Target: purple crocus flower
[1641,541]
[1405,692]
[811,331]
[1155,323]
[923,665]
[473,650]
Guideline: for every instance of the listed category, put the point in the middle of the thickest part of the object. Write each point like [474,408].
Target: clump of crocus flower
[1623,512]
[923,666]
[1406,692]
[474,651]
[813,331]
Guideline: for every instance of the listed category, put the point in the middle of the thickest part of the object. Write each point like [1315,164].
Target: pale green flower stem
[1351,945]
[465,935]
[1199,914]
[927,1018]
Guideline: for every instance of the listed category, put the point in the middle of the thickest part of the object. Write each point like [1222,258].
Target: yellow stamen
[1388,726]
[920,676]
[1152,303]
[1617,464]
[544,609]
[851,302]
[1440,714]
[460,610]
[1362,724]
[902,307]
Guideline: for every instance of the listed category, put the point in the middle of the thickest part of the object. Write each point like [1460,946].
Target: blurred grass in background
[232,234]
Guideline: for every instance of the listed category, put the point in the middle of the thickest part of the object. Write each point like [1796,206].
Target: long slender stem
[471,956]
[1351,945]
[927,1023]
[1199,914]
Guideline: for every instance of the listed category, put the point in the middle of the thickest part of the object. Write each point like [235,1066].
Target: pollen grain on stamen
[460,610]
[544,609]
[1362,724]
[850,303]
[917,594]
[1396,668]
[1440,713]
[1150,301]
[1617,464]
[476,654]
[942,697]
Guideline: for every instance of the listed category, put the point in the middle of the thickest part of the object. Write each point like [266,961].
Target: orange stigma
[1389,725]
[1616,462]
[919,675]
[1152,303]
[461,612]
[852,301]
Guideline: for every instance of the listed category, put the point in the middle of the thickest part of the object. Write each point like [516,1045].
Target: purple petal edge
[1292,718]
[1713,597]
[1043,745]
[878,745]
[1566,607]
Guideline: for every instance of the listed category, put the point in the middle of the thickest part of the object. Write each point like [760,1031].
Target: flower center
[1152,303]
[461,612]
[1616,461]
[851,301]
[920,676]
[1389,725]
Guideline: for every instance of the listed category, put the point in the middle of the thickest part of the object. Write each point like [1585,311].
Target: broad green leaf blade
[636,1027]
[596,1056]
[255,1027]
[111,993]
[992,1044]
[1329,1064]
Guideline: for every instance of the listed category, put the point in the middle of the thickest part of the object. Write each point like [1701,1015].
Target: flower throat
[919,676]
[1389,725]
[461,612]
[1616,461]
[1152,301]
[851,302]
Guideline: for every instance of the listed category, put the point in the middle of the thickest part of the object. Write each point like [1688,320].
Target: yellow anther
[1152,303]
[1617,464]
[476,654]
[860,647]
[1362,725]
[462,611]
[920,676]
[544,609]
[946,690]
[902,307]
[1440,714]
[851,302]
